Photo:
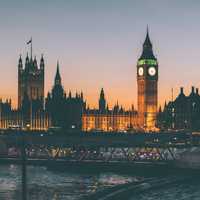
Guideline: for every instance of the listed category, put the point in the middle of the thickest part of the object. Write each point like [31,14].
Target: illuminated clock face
[141,71]
[152,71]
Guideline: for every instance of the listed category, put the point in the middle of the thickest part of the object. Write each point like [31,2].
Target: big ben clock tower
[147,82]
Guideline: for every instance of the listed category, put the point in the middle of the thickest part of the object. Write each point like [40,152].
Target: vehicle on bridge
[15,127]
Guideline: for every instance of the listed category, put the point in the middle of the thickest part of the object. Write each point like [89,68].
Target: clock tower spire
[147,83]
[147,52]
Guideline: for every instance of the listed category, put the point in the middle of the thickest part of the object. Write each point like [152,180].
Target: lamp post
[23,156]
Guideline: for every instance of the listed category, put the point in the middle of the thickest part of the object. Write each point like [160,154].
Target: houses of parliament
[61,109]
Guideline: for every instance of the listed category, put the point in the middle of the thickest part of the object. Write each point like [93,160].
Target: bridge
[99,139]
[94,150]
[96,146]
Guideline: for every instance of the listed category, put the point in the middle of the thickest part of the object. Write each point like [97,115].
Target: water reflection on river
[44,184]
[188,190]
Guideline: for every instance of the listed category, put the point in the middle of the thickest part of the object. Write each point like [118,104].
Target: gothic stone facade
[109,120]
[30,80]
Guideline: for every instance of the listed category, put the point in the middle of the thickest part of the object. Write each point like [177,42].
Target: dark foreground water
[184,191]
[44,184]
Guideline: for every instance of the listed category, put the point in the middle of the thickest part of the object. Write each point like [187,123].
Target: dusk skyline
[98,44]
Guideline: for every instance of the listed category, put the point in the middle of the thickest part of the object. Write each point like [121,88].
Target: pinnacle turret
[57,77]
[102,93]
[35,63]
[20,65]
[102,101]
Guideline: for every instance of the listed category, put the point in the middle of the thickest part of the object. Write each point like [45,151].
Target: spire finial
[148,32]
[70,94]
[147,40]
[160,109]
[102,93]
[42,58]
[20,58]
[58,71]
[57,78]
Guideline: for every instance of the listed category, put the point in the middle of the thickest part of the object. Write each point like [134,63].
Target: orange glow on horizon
[91,96]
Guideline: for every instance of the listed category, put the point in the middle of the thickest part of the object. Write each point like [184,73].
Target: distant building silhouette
[60,110]
[182,113]
[16,118]
[65,111]
[30,113]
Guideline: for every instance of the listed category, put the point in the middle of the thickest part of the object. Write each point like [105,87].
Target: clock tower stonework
[147,83]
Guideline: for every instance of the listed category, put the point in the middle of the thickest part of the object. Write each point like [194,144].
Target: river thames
[44,184]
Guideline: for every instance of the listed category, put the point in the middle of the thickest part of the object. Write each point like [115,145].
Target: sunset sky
[98,42]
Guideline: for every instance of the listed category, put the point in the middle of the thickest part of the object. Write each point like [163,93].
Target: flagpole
[31,48]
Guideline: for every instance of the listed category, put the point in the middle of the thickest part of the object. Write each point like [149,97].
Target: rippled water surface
[185,191]
[44,184]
